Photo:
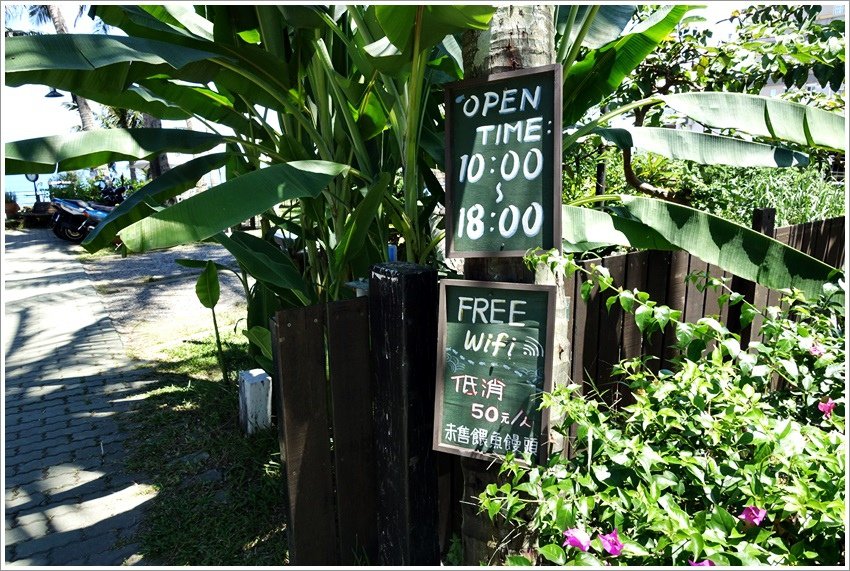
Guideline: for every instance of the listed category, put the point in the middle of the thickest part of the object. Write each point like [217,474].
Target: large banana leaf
[357,226]
[733,247]
[89,149]
[265,262]
[589,81]
[148,199]
[606,26]
[703,148]
[94,62]
[438,21]
[765,117]
[202,102]
[586,229]
[229,203]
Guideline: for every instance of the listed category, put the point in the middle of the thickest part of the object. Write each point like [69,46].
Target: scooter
[74,219]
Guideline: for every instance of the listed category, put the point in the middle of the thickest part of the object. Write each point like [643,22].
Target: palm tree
[40,14]
[118,118]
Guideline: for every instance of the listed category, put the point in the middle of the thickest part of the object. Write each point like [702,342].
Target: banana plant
[328,121]
[324,118]
[759,129]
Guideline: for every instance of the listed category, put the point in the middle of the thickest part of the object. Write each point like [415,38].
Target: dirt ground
[151,299]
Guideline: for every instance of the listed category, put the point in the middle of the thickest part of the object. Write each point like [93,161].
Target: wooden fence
[355,419]
[354,388]
[325,431]
[601,338]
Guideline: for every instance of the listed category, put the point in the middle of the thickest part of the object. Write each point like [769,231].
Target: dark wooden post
[403,320]
[764,221]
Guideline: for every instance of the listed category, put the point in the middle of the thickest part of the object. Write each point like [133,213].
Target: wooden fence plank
[695,299]
[354,450]
[589,333]
[300,355]
[820,239]
[658,275]
[610,336]
[713,294]
[835,244]
[578,320]
[676,297]
[636,278]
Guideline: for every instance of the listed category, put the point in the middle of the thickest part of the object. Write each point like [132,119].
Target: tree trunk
[83,108]
[159,164]
[519,37]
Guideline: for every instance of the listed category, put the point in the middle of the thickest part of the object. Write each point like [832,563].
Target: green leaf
[207,288]
[733,247]
[88,149]
[386,57]
[702,148]
[517,561]
[147,199]
[722,520]
[438,21]
[586,560]
[265,262]
[95,62]
[644,318]
[748,313]
[627,300]
[493,508]
[586,288]
[262,338]
[357,226]
[554,553]
[607,25]
[229,203]
[585,229]
[589,81]
[764,117]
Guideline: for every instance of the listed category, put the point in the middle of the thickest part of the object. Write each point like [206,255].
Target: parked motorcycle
[74,219]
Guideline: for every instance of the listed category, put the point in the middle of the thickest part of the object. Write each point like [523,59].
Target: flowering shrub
[708,466]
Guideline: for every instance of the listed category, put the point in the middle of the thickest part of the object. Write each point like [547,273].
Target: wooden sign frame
[554,197]
[545,428]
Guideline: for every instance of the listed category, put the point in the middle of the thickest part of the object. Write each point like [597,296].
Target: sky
[26,113]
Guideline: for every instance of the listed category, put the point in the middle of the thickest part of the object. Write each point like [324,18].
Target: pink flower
[817,350]
[706,563]
[577,538]
[611,543]
[826,407]
[753,515]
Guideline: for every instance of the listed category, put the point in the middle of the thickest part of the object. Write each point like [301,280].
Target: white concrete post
[255,400]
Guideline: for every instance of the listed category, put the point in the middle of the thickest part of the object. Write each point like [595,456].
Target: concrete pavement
[68,498]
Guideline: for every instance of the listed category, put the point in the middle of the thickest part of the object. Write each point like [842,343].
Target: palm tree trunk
[86,115]
[159,164]
[519,37]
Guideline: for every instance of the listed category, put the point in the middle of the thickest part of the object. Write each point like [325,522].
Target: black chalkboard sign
[503,163]
[493,363]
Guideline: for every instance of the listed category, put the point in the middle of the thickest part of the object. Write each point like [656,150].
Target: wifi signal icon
[532,348]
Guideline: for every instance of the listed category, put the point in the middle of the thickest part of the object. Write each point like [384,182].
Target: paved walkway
[68,500]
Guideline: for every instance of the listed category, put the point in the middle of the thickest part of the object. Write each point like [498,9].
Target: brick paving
[68,498]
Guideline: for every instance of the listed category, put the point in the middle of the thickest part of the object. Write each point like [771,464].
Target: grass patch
[88,257]
[220,493]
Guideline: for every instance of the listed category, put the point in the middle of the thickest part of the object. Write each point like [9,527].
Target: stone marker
[255,400]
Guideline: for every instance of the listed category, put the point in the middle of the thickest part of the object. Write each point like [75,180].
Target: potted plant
[11,200]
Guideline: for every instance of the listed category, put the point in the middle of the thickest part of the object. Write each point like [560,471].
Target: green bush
[798,194]
[709,466]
